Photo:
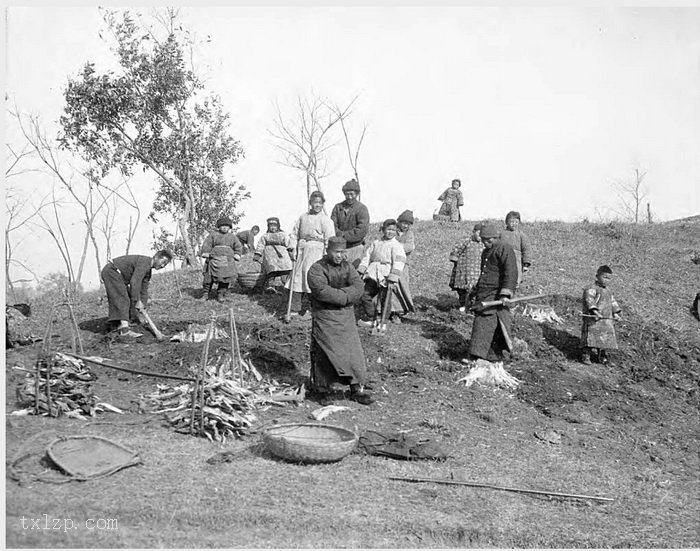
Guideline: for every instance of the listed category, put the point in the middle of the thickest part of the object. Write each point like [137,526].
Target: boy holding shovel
[381,268]
[599,311]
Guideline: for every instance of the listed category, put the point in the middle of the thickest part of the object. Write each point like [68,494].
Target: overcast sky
[536,110]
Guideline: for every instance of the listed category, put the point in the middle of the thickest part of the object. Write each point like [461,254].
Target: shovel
[288,315]
[510,301]
[159,336]
[380,328]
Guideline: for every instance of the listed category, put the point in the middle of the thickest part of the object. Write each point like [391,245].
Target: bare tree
[353,154]
[304,139]
[632,195]
[57,233]
[113,199]
[87,193]
[19,211]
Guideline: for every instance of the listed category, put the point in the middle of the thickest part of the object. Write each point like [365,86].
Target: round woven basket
[309,442]
[250,280]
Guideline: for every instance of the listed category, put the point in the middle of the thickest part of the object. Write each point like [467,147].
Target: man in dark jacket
[499,277]
[126,280]
[351,221]
[336,350]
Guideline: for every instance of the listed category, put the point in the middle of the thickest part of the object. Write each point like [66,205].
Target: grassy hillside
[653,276]
[626,431]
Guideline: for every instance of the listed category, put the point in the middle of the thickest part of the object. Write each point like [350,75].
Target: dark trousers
[372,289]
[221,288]
[121,307]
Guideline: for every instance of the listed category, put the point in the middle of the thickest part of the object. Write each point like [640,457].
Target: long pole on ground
[504,488]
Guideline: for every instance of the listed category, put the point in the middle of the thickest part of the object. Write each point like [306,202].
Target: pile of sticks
[225,410]
[220,402]
[59,385]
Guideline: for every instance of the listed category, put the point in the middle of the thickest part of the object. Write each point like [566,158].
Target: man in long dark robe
[336,350]
[498,280]
[351,221]
[126,280]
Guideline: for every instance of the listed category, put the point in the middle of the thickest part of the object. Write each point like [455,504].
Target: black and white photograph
[333,276]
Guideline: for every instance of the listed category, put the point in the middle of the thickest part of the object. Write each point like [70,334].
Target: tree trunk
[190,254]
[97,252]
[83,254]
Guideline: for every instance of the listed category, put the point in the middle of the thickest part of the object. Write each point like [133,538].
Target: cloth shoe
[586,358]
[363,398]
[363,323]
[126,332]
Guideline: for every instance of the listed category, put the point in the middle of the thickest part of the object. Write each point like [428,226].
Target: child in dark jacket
[599,311]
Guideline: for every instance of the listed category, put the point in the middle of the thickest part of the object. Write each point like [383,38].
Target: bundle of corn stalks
[69,391]
[198,333]
[488,373]
[541,313]
[227,407]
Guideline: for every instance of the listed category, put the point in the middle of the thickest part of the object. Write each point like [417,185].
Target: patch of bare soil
[627,431]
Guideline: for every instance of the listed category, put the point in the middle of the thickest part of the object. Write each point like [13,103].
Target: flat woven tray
[89,457]
[309,442]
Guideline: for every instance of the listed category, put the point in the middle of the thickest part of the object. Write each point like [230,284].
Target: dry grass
[628,432]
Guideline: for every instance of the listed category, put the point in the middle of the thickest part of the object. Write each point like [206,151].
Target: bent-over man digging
[126,280]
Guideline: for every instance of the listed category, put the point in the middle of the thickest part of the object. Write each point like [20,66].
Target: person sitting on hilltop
[272,254]
[520,242]
[221,250]
[452,199]
[599,311]
[247,239]
[126,280]
[351,221]
[380,266]
[466,266]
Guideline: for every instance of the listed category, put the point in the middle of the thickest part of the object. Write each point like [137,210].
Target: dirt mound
[650,358]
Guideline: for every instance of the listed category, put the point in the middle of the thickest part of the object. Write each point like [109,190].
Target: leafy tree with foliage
[153,114]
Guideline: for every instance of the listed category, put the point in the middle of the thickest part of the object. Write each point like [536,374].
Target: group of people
[330,271]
